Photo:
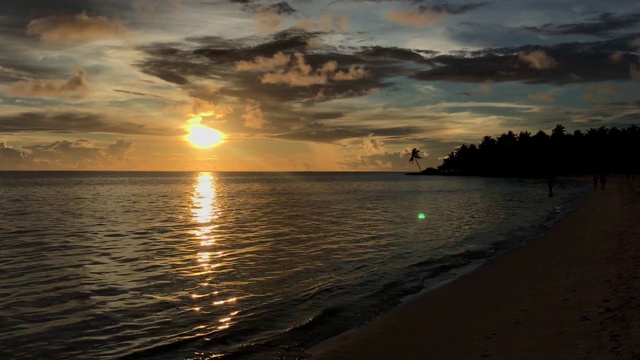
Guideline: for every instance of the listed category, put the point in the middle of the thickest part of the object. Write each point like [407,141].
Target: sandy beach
[570,294]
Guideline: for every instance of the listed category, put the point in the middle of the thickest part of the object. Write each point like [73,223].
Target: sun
[203,137]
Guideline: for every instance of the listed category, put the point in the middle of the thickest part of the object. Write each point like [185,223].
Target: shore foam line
[571,293]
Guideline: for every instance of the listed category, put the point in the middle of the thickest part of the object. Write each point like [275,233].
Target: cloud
[76,85]
[564,63]
[422,16]
[119,149]
[598,93]
[373,155]
[397,54]
[543,97]
[321,135]
[253,117]
[13,159]
[352,74]
[74,29]
[79,154]
[138,93]
[262,63]
[299,73]
[267,22]
[416,17]
[327,23]
[538,60]
[457,8]
[373,145]
[10,73]
[75,122]
[281,8]
[616,57]
[599,26]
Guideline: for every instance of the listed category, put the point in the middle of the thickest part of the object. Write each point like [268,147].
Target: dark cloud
[602,25]
[326,115]
[395,54]
[17,14]
[81,154]
[321,135]
[240,70]
[212,57]
[13,159]
[78,154]
[558,64]
[280,8]
[75,122]
[74,86]
[454,9]
[139,94]
[16,64]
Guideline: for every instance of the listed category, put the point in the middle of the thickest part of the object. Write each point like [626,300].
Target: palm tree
[415,155]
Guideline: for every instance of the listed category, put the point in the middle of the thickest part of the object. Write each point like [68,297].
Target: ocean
[209,265]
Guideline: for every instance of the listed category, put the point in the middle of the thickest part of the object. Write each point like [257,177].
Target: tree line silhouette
[601,150]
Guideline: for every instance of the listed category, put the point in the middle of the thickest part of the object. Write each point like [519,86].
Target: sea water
[238,265]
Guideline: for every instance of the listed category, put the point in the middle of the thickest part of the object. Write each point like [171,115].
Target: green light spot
[421,216]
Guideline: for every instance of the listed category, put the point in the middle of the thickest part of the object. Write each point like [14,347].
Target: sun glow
[201,136]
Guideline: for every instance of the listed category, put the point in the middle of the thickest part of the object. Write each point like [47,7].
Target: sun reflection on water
[206,213]
[204,207]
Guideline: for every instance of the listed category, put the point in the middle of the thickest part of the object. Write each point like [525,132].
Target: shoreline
[570,293]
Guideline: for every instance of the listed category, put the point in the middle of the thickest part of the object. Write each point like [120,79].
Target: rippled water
[237,265]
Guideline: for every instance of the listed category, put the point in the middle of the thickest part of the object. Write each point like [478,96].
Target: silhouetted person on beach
[603,181]
[550,185]
[595,182]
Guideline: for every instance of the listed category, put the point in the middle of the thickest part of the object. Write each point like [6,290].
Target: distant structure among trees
[602,150]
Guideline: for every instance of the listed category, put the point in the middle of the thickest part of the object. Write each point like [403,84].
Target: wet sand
[573,293]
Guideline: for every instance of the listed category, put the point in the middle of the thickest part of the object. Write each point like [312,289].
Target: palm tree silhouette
[415,155]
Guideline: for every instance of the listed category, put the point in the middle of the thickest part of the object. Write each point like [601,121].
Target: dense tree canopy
[609,150]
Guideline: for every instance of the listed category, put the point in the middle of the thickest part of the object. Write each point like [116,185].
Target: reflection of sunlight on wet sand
[205,211]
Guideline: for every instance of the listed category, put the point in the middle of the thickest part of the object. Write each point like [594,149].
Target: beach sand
[573,293]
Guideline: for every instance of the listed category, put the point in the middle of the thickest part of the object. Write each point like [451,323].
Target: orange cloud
[262,63]
[298,72]
[353,74]
[253,117]
[616,57]
[75,85]
[75,29]
[415,18]
[538,60]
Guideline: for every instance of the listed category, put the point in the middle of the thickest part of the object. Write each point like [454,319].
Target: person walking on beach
[550,185]
[595,182]
[603,181]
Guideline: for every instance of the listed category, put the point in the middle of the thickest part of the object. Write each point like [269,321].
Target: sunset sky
[302,85]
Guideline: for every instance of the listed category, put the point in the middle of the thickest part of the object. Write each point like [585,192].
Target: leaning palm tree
[415,155]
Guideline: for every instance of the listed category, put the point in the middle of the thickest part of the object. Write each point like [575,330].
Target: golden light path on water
[205,211]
